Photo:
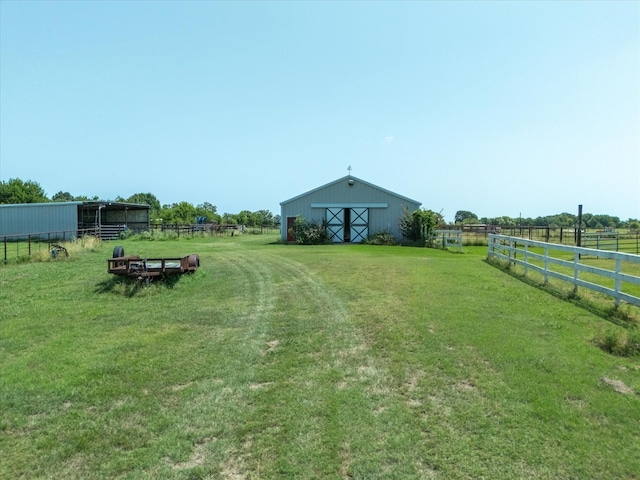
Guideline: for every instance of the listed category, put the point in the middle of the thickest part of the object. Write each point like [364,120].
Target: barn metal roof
[356,179]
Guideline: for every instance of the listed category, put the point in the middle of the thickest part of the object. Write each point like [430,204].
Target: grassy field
[285,361]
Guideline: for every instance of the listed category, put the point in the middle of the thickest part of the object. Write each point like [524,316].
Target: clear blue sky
[500,108]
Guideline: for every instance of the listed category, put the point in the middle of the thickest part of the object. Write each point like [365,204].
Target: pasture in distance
[286,361]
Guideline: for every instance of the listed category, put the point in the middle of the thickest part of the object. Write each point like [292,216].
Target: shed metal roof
[23,205]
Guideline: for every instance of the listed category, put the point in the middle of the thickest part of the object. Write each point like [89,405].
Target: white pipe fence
[544,258]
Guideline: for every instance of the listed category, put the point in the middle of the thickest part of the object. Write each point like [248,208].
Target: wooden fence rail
[546,258]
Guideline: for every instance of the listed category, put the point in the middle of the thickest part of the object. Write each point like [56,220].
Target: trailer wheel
[194,261]
[118,251]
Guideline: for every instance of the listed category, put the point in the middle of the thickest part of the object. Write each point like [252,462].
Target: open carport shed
[113,217]
[70,219]
[352,208]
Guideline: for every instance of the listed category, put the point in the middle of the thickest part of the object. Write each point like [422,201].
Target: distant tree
[245,218]
[207,207]
[17,191]
[464,216]
[501,221]
[251,219]
[145,199]
[265,217]
[182,212]
[63,197]
[229,219]
[209,212]
[84,198]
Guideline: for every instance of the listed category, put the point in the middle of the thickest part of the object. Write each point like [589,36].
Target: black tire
[194,261]
[118,251]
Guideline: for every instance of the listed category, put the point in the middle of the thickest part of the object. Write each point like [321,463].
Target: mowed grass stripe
[309,376]
[278,361]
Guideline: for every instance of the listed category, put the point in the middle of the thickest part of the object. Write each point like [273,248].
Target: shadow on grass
[130,287]
[611,314]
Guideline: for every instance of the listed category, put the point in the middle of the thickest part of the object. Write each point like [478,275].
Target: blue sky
[500,108]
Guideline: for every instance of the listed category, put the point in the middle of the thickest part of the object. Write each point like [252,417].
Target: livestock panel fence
[447,239]
[613,274]
[620,241]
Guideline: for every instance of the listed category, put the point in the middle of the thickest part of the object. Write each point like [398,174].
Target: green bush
[309,233]
[124,234]
[156,236]
[146,235]
[381,238]
[619,342]
[417,225]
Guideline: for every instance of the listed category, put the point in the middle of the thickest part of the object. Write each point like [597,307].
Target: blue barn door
[359,224]
[335,224]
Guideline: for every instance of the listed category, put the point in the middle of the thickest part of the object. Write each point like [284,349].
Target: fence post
[512,250]
[29,244]
[576,261]
[618,282]
[5,250]
[546,264]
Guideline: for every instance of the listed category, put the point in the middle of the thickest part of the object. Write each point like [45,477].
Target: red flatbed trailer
[141,268]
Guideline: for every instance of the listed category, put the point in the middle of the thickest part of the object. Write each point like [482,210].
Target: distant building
[106,219]
[352,208]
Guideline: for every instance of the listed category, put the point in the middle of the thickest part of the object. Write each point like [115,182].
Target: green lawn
[286,361]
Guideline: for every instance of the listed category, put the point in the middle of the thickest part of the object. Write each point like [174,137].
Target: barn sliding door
[335,224]
[359,224]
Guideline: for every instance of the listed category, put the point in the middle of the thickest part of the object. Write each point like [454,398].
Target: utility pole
[579,235]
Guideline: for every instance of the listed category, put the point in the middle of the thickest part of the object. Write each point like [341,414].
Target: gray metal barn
[352,208]
[71,219]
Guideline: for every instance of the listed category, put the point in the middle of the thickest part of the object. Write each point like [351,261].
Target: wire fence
[21,247]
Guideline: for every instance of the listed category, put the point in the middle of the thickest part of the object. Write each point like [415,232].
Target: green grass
[285,361]
[587,297]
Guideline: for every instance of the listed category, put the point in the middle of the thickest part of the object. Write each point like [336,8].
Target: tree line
[589,220]
[19,191]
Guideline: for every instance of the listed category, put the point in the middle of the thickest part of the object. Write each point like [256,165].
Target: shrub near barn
[307,232]
[417,226]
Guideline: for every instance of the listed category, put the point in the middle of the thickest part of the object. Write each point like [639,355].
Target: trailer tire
[194,261]
[118,251]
